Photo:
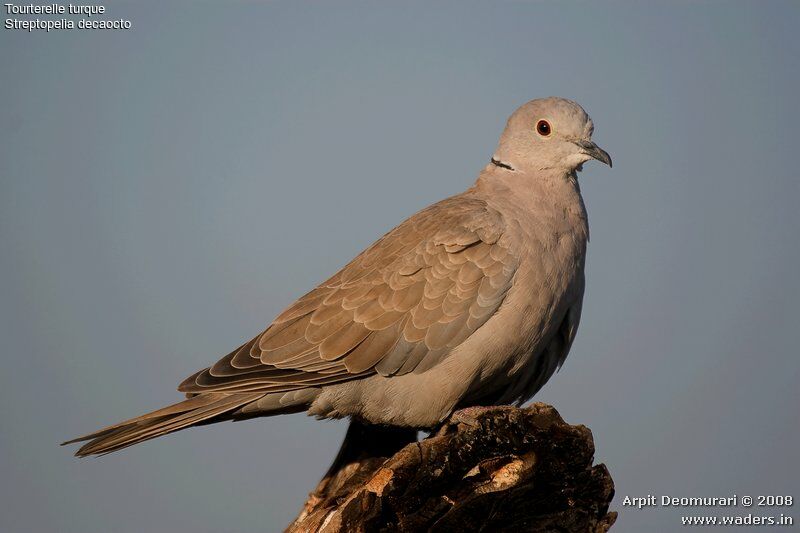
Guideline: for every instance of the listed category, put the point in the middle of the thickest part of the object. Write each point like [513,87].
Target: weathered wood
[485,469]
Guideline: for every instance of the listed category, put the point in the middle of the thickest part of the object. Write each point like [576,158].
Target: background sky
[165,191]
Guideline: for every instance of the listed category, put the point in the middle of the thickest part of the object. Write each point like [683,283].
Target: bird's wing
[401,305]
[569,327]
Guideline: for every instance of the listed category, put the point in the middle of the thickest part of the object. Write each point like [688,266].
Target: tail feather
[181,415]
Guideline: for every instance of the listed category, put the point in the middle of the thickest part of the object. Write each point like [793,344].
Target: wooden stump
[485,469]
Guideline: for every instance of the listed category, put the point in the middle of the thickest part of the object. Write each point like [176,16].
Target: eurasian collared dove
[473,301]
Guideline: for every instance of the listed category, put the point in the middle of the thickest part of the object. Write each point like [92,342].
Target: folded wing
[400,306]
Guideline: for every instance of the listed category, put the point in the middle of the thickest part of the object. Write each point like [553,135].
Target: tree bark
[485,469]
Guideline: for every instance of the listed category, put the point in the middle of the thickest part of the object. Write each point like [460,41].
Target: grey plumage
[474,300]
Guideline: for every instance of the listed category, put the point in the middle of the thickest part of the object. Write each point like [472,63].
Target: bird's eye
[543,128]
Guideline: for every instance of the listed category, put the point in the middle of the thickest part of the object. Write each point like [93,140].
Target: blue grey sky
[165,191]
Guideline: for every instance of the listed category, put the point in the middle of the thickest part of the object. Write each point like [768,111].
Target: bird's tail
[190,412]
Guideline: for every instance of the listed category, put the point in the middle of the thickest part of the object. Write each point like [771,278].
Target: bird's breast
[550,243]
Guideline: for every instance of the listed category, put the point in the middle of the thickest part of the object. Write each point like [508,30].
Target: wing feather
[402,305]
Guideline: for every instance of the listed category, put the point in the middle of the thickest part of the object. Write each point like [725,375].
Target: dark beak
[595,152]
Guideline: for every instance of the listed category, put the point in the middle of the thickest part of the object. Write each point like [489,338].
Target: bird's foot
[469,416]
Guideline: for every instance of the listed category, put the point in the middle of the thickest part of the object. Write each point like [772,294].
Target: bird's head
[548,134]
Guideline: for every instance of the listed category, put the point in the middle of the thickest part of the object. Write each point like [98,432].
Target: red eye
[543,128]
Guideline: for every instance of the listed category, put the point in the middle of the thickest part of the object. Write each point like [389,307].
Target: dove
[473,301]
